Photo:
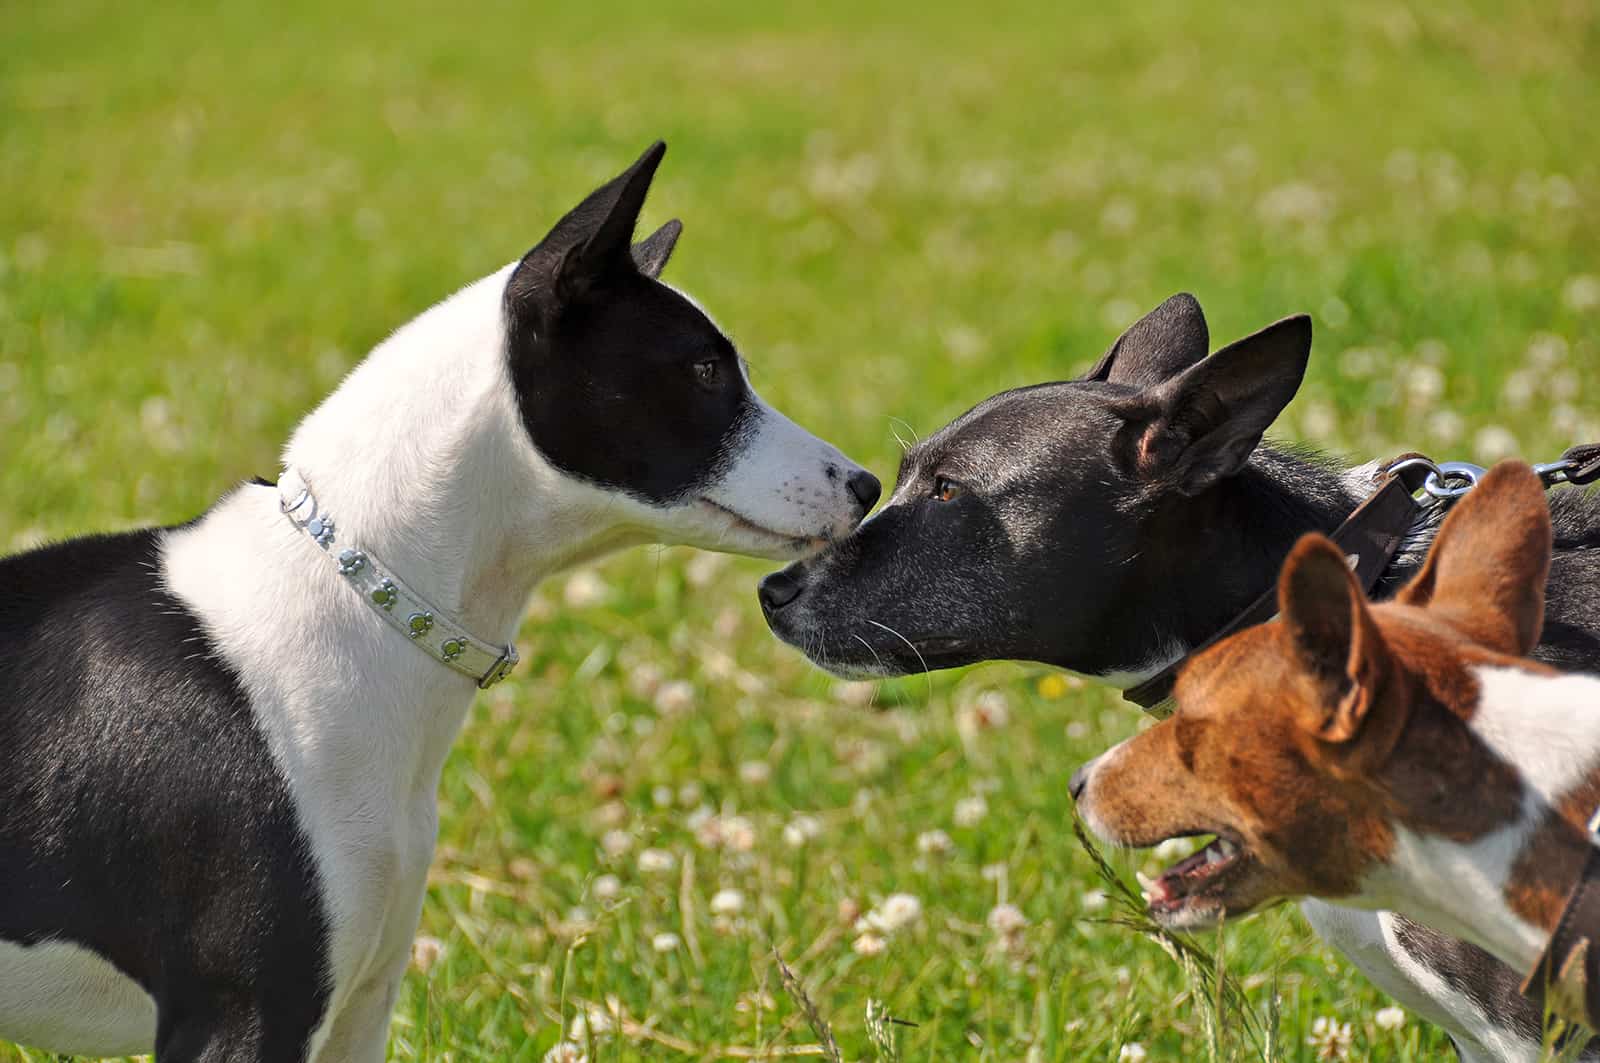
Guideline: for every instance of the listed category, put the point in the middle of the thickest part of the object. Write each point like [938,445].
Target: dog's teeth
[1214,855]
[1146,883]
[1227,848]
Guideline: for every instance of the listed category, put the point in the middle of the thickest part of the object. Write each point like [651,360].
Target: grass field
[207,218]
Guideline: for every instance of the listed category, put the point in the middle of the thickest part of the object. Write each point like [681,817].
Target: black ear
[1202,425]
[1160,345]
[651,253]
[591,240]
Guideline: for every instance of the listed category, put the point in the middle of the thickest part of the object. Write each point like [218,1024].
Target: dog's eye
[705,371]
[946,489]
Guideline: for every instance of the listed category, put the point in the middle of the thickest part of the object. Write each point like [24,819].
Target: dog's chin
[732,533]
[862,659]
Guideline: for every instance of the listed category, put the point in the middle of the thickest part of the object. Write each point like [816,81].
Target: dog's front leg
[360,1032]
[230,1030]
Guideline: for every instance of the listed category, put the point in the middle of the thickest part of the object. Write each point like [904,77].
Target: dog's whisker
[926,671]
[877,686]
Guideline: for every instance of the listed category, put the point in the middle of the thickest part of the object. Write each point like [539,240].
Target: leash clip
[1468,475]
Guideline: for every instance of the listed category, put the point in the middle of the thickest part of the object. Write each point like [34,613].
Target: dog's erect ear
[1157,347]
[589,242]
[1334,639]
[1202,425]
[650,254]
[1487,569]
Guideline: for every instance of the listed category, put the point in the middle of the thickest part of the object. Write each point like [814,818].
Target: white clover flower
[585,588]
[934,843]
[644,680]
[727,902]
[666,942]
[565,1052]
[1424,383]
[898,911]
[738,834]
[1493,443]
[425,951]
[1095,901]
[674,697]
[1006,919]
[1582,293]
[1330,1038]
[869,944]
[607,888]
[661,796]
[1390,1018]
[755,773]
[970,811]
[1132,1052]
[616,842]
[801,829]
[655,861]
[1446,426]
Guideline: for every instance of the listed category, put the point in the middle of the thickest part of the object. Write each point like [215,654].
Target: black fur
[141,813]
[1062,549]
[646,395]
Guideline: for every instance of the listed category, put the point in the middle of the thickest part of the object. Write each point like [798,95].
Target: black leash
[1371,536]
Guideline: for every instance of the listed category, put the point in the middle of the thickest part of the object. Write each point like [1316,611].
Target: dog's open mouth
[1193,893]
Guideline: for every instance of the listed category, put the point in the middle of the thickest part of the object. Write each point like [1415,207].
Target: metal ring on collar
[1437,484]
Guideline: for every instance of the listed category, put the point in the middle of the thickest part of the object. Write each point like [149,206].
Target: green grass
[208,216]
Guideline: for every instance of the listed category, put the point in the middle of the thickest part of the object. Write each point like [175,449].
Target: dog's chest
[358,721]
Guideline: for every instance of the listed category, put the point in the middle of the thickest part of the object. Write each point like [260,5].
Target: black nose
[1080,779]
[866,488]
[778,590]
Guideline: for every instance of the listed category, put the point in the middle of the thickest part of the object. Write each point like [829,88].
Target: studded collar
[429,628]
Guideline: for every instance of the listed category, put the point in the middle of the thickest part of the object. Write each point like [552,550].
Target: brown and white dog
[1401,756]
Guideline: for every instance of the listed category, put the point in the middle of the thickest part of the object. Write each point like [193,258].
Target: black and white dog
[222,743]
[1110,524]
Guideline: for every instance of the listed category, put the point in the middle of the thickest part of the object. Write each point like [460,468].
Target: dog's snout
[778,590]
[1080,779]
[866,488]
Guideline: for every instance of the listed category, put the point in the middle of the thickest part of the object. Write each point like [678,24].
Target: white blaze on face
[785,481]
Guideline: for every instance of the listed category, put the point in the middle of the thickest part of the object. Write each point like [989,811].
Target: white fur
[1458,888]
[57,994]
[1371,940]
[421,457]
[1547,727]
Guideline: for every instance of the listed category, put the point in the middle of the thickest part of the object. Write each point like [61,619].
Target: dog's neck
[1505,888]
[421,458]
[1234,539]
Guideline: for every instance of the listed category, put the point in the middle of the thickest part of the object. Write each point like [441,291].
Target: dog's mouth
[884,654]
[1198,891]
[786,544]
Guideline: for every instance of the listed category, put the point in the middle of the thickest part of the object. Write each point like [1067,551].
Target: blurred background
[210,213]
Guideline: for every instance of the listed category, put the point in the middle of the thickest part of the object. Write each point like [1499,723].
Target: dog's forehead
[1227,678]
[675,324]
[1016,430]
